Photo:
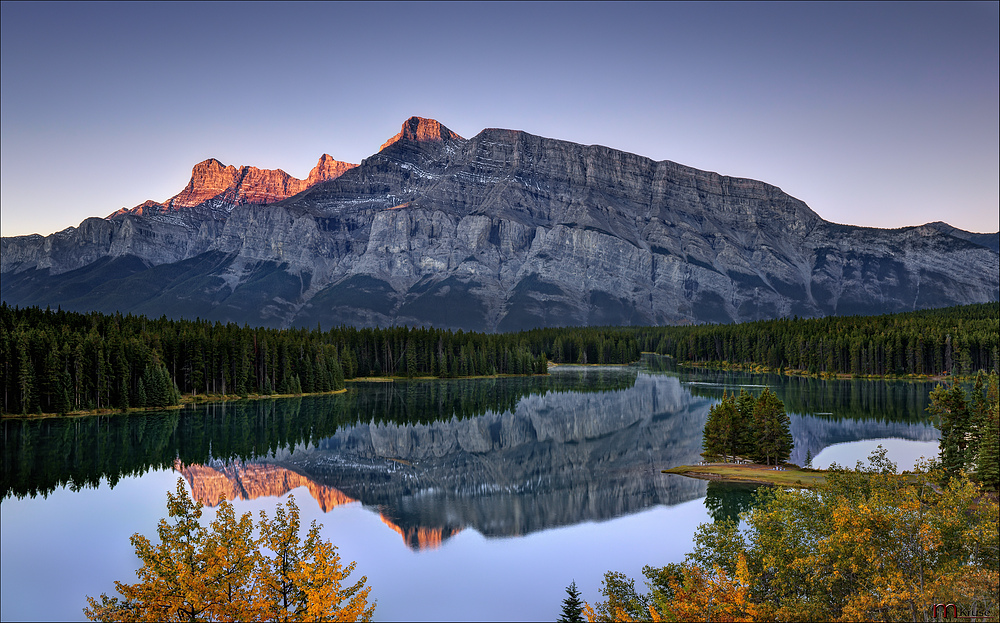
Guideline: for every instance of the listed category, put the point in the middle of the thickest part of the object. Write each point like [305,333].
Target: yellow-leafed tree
[219,573]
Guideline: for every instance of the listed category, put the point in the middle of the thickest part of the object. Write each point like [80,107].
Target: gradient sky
[882,115]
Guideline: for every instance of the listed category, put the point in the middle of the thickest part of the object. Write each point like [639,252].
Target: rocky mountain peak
[327,168]
[208,179]
[419,129]
[226,186]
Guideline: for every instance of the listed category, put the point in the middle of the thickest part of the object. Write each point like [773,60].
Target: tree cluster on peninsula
[745,426]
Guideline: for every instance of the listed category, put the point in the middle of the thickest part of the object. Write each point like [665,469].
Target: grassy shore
[789,476]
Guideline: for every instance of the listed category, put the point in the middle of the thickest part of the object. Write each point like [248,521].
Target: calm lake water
[459,500]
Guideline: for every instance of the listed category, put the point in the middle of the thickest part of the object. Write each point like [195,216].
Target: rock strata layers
[502,231]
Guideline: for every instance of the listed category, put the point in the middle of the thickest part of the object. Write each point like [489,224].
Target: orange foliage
[219,573]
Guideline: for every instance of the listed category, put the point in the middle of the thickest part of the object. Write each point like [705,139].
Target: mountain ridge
[502,231]
[227,186]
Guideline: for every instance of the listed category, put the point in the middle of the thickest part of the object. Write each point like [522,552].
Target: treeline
[957,340]
[58,361]
[836,399]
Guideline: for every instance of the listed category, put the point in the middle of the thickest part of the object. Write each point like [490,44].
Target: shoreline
[188,400]
[789,476]
[197,399]
[762,369]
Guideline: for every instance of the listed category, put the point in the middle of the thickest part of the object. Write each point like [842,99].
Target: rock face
[215,185]
[502,231]
[418,129]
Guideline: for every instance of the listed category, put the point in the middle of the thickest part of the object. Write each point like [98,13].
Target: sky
[882,115]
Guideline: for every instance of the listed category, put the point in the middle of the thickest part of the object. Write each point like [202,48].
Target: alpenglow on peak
[420,130]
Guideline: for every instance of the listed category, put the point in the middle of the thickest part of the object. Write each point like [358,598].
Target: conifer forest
[61,361]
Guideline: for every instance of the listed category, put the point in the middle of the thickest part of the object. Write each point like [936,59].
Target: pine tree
[747,442]
[773,429]
[26,375]
[411,359]
[713,437]
[572,606]
[988,458]
[951,407]
[140,393]
[987,407]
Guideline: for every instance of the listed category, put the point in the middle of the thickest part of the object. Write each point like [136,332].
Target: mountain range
[503,231]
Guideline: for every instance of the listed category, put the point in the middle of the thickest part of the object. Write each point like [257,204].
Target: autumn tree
[222,573]
[869,545]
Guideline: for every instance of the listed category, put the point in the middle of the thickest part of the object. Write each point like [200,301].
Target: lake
[477,499]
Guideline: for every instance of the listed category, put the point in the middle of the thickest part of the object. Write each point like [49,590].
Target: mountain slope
[502,231]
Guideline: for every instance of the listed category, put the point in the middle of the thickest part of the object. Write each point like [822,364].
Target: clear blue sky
[873,114]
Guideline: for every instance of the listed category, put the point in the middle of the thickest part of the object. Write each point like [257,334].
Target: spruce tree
[572,606]
[988,458]
[951,407]
[713,437]
[140,394]
[773,429]
[986,404]
[747,441]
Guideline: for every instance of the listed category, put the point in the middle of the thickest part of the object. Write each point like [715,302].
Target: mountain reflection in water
[505,457]
[236,480]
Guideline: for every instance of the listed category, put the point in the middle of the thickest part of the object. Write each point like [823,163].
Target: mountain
[503,231]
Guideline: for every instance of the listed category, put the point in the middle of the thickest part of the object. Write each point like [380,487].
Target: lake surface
[460,500]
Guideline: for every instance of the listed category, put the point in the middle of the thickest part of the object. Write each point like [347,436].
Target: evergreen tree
[952,409]
[772,428]
[140,393]
[724,429]
[988,458]
[713,437]
[572,606]
[411,359]
[747,441]
[26,376]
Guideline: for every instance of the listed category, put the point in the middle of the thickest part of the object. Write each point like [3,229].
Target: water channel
[460,500]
